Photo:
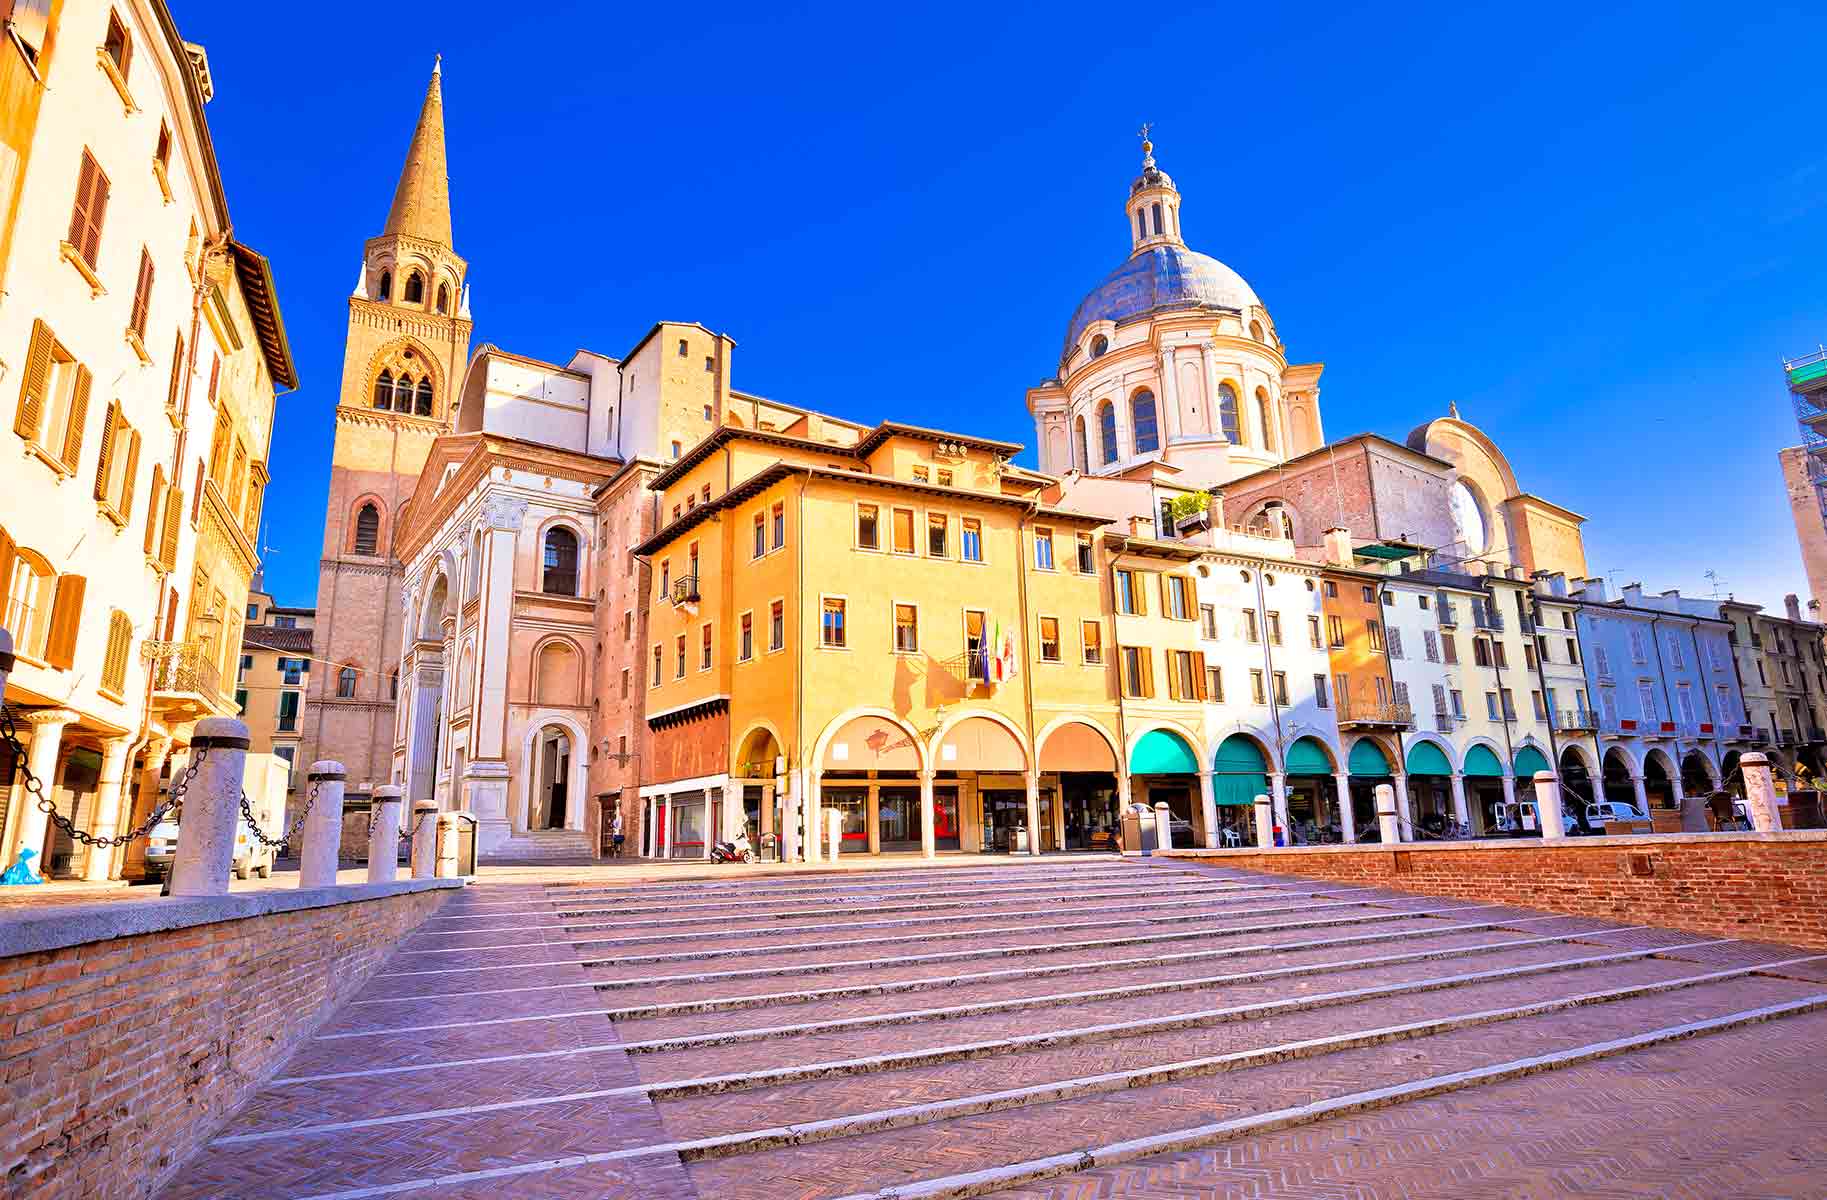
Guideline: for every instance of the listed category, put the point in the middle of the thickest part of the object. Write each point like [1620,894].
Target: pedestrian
[1280,840]
[615,834]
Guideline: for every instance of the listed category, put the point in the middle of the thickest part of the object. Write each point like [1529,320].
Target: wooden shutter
[1173,677]
[168,537]
[1201,692]
[89,210]
[133,467]
[8,556]
[142,294]
[215,376]
[66,618]
[106,458]
[1147,659]
[155,508]
[37,378]
[196,500]
[79,416]
[177,372]
[114,666]
[126,49]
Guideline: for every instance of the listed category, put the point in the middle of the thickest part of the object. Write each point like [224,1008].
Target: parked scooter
[736,851]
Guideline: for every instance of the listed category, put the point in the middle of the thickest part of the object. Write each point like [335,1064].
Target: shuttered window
[142,296]
[114,665]
[89,209]
[155,510]
[66,618]
[119,46]
[53,399]
[367,530]
[177,374]
[117,465]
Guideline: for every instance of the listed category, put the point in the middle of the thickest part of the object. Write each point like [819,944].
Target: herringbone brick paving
[563,1112]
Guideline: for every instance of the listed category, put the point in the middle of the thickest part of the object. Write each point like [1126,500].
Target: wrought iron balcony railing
[181,669]
[1388,715]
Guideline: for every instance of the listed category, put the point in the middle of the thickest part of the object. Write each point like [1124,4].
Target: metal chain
[34,786]
[284,840]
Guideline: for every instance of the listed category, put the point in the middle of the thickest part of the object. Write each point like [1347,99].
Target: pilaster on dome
[1154,204]
[421,202]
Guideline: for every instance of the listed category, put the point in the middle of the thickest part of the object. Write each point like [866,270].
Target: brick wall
[121,1056]
[1768,887]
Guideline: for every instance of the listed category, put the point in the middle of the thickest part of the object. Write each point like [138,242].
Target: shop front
[881,811]
[1240,773]
[1079,762]
[1484,794]
[1369,767]
[1313,806]
[1430,789]
[1163,768]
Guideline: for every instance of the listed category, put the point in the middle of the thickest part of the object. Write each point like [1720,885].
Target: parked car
[1519,819]
[1598,814]
[251,858]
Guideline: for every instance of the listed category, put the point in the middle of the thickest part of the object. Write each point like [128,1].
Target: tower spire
[421,202]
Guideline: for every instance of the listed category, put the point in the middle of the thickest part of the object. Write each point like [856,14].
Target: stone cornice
[349,414]
[415,530]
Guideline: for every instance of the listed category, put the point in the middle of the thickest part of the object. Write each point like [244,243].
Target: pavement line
[827,968]
[885,987]
[984,1008]
[1186,1068]
[887,878]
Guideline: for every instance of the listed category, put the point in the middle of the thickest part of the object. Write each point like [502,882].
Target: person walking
[615,834]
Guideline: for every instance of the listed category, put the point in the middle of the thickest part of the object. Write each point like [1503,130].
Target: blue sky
[1598,229]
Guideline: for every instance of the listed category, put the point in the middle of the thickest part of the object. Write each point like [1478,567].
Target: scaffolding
[1807,380]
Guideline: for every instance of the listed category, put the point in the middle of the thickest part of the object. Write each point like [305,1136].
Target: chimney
[1672,594]
[1592,589]
[1792,604]
[1338,546]
[1214,509]
[1633,593]
[1142,527]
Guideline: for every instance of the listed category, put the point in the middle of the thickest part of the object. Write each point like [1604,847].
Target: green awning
[1529,760]
[1240,771]
[1480,761]
[1239,754]
[1367,760]
[1239,789]
[1163,753]
[1424,758]
[1308,757]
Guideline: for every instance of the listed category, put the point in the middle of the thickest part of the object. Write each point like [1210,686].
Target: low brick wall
[130,1030]
[1765,886]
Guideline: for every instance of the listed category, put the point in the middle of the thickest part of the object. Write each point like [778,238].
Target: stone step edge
[860,881]
[980,1183]
[805,877]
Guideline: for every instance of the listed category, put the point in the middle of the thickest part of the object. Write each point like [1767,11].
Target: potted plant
[1191,511]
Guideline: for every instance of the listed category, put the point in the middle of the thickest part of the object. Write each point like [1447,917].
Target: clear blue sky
[1598,229]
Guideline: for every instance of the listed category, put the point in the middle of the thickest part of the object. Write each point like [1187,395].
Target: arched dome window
[1100,346]
[1267,416]
[383,390]
[1081,449]
[1106,432]
[1227,413]
[422,401]
[368,530]
[560,575]
[386,285]
[402,394]
[1143,422]
[1256,331]
[415,289]
[443,297]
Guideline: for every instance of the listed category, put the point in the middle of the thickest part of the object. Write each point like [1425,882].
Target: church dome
[1160,279]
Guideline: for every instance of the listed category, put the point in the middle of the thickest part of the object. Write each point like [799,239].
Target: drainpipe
[1541,680]
[799,674]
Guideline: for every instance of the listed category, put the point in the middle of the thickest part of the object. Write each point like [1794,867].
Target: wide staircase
[542,847]
[943,1032]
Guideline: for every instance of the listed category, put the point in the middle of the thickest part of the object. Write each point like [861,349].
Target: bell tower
[403,361]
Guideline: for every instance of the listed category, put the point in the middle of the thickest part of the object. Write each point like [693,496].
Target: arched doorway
[988,759]
[1658,780]
[1079,762]
[551,782]
[1368,766]
[1430,788]
[1696,775]
[873,762]
[1576,788]
[1240,773]
[1163,767]
[1618,779]
[1483,789]
[1312,787]
[756,761]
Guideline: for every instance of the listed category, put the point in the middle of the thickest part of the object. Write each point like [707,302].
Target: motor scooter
[736,851]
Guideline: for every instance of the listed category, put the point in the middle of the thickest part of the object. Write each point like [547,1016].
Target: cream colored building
[274,674]
[141,348]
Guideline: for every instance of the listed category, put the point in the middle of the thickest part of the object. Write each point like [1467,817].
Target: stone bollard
[323,829]
[384,835]
[1387,823]
[212,806]
[1265,823]
[1164,826]
[834,833]
[1548,806]
[1760,793]
[449,835]
[424,839]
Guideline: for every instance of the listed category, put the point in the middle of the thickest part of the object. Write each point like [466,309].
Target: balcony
[1526,624]
[185,682]
[1446,722]
[1573,720]
[1376,716]
[1490,619]
[1787,737]
[1448,615]
[685,590]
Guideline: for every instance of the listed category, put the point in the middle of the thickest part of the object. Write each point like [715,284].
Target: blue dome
[1160,279]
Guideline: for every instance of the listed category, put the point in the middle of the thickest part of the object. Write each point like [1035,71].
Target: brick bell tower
[407,347]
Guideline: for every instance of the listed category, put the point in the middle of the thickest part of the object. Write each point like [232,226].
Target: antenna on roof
[1713,578]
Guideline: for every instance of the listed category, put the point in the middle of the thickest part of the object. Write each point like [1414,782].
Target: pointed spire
[1452,409]
[361,282]
[421,202]
[463,305]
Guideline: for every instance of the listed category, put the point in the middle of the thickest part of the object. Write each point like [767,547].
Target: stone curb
[1047,864]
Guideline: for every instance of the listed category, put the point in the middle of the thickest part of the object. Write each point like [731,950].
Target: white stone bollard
[323,827]
[384,835]
[1548,805]
[1760,793]
[449,835]
[212,806]
[834,832]
[424,839]
[1386,814]
[1265,823]
[1164,826]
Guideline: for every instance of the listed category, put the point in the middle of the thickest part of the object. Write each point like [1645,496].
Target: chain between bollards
[285,839]
[34,787]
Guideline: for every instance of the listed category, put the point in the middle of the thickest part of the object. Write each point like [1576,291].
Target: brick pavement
[813,1036]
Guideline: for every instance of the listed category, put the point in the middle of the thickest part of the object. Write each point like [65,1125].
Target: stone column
[323,830]
[1169,425]
[1405,806]
[1348,817]
[1461,813]
[146,797]
[449,842]
[1164,826]
[929,836]
[424,839]
[212,806]
[1278,796]
[107,807]
[1033,782]
[1760,793]
[41,760]
[1548,805]
[1208,809]
[1386,814]
[384,835]
[1641,792]
[1265,823]
[735,819]
[1509,788]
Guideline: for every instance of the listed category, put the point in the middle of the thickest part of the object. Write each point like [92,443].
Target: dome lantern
[1154,204]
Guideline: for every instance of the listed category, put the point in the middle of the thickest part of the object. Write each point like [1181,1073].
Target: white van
[1610,810]
[264,778]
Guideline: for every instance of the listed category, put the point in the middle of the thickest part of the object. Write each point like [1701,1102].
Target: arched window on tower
[402,394]
[1081,449]
[1106,432]
[1267,417]
[422,403]
[386,285]
[368,530]
[560,575]
[1157,211]
[1256,330]
[1227,413]
[383,391]
[1143,422]
[1141,224]
[415,289]
[443,297]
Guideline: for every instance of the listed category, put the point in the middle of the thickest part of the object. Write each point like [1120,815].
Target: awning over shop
[1480,761]
[1529,760]
[1424,758]
[1240,772]
[1162,753]
[1308,757]
[1367,760]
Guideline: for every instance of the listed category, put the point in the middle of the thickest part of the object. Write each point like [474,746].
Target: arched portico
[1002,805]
[868,762]
[1166,766]
[1659,778]
[1085,761]
[1436,791]
[1316,786]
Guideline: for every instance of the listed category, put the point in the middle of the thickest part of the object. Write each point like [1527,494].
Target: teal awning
[1480,761]
[1163,753]
[1424,758]
[1239,789]
[1529,760]
[1241,771]
[1308,757]
[1239,754]
[1367,760]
